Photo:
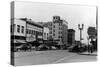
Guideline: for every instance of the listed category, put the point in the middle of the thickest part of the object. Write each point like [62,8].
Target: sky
[73,14]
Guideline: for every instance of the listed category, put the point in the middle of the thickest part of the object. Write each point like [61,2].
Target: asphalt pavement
[50,57]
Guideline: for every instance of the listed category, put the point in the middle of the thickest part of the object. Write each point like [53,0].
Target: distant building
[45,33]
[65,33]
[57,30]
[49,26]
[71,36]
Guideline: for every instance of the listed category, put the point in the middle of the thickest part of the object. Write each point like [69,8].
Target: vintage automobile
[76,48]
[42,47]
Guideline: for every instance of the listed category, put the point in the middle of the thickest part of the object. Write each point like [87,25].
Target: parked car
[73,49]
[53,48]
[42,47]
[23,47]
[77,49]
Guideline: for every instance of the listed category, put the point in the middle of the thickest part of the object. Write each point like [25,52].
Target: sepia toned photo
[49,33]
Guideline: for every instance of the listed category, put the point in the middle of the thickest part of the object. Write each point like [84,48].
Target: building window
[53,30]
[34,32]
[53,17]
[53,34]
[44,33]
[60,28]
[60,32]
[31,31]
[51,24]
[50,28]
[60,24]
[18,28]
[22,29]
[27,31]
[41,33]
[50,32]
[54,26]
[59,36]
[47,34]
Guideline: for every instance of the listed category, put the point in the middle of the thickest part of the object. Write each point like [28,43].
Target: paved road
[46,57]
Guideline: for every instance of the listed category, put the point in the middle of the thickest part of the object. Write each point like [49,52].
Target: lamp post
[80,28]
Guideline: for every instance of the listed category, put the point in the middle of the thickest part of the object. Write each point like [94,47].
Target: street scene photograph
[49,33]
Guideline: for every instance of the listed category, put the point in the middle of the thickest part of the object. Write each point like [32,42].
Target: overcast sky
[73,14]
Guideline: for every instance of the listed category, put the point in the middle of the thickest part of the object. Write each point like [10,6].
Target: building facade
[71,37]
[18,31]
[65,33]
[57,30]
[33,31]
[24,30]
[45,33]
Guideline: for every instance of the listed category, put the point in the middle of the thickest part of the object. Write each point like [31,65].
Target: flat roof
[29,21]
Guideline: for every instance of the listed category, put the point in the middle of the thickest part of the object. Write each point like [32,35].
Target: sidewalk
[90,54]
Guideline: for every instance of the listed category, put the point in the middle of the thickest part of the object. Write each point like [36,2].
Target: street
[50,57]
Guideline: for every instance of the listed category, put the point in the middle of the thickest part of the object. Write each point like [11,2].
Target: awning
[19,41]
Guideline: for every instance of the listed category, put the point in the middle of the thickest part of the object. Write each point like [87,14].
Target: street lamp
[80,28]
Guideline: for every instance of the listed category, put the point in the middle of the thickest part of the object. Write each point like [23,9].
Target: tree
[92,33]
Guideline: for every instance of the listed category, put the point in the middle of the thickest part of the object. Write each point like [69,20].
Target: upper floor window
[53,34]
[32,32]
[22,29]
[45,34]
[60,24]
[27,31]
[54,26]
[60,36]
[50,32]
[50,28]
[18,28]
[53,30]
[60,32]
[51,24]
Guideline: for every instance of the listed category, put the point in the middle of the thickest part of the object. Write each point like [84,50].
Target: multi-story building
[18,31]
[71,36]
[24,30]
[57,30]
[34,31]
